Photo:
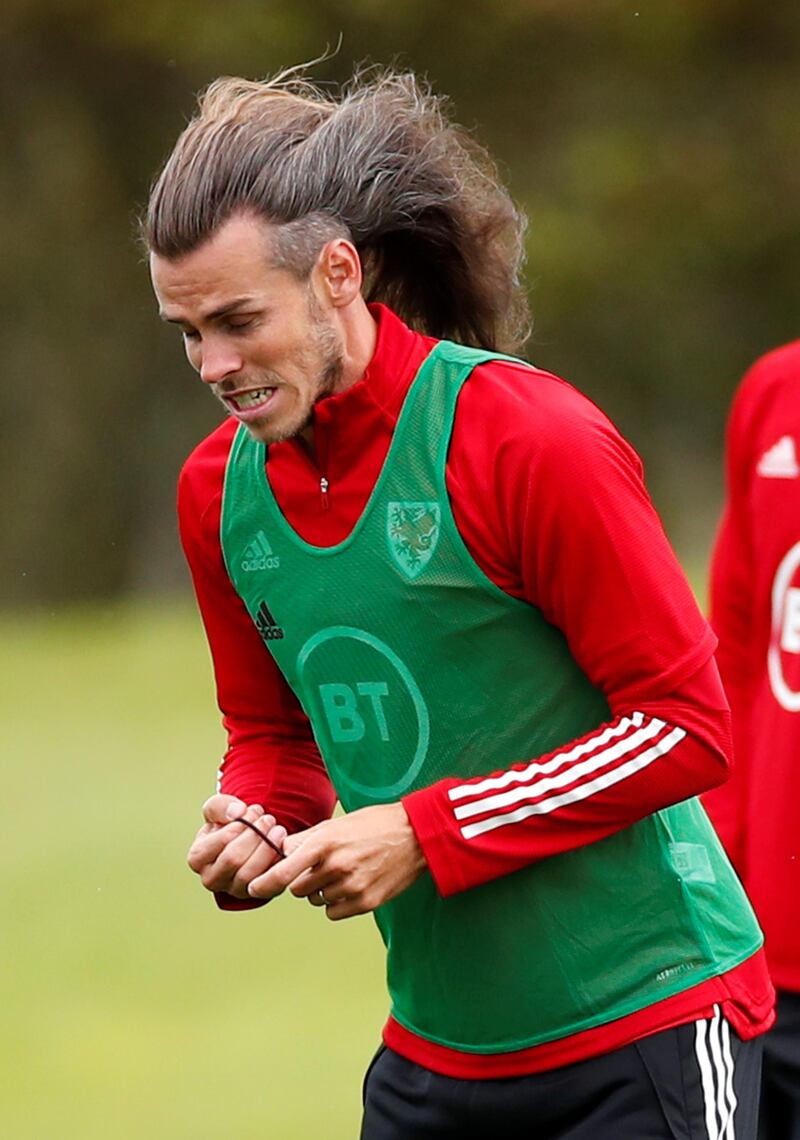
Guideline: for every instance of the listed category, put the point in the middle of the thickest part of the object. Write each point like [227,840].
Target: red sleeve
[657,754]
[740,649]
[272,758]
[574,533]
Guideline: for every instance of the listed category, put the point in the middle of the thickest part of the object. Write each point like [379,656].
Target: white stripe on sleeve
[568,776]
[537,768]
[543,787]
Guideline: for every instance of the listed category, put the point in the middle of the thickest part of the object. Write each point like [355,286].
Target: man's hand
[227,855]
[349,865]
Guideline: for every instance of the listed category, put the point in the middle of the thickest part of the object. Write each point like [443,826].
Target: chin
[276,433]
[263,434]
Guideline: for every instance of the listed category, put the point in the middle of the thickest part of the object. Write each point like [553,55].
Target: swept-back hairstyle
[440,240]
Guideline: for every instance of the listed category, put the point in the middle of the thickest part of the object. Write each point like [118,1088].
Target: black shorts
[780,1091]
[695,1082]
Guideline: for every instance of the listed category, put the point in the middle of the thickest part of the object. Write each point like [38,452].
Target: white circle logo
[785,632]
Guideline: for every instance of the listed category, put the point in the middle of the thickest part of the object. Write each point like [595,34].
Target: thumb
[222,809]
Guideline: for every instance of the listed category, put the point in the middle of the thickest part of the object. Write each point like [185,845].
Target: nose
[218,360]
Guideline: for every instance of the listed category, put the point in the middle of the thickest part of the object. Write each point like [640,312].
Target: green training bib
[412,666]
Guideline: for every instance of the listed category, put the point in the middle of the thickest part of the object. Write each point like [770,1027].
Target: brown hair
[438,235]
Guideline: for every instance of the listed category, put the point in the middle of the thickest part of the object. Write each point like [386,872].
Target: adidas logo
[780,460]
[266,624]
[259,556]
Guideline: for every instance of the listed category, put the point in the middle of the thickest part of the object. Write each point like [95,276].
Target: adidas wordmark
[259,556]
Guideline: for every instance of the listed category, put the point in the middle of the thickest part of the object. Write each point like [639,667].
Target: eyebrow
[222,311]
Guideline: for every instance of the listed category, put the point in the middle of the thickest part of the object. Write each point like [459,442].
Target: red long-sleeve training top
[550,502]
[755,610]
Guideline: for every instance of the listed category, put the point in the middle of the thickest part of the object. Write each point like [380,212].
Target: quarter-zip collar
[381,390]
[321,493]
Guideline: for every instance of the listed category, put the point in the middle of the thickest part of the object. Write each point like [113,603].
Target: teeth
[252,399]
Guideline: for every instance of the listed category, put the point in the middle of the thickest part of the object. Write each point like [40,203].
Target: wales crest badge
[413,531]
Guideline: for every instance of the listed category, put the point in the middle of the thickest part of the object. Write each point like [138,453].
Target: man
[755,595]
[435,588]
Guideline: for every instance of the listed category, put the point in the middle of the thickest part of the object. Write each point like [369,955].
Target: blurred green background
[656,147]
[131,1007]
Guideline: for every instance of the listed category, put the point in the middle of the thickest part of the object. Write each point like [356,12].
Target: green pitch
[131,1006]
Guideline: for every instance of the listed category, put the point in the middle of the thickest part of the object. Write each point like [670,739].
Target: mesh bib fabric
[411,666]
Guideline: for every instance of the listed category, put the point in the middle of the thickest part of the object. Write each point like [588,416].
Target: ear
[339,274]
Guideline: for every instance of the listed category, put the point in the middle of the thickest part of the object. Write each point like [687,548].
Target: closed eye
[239,325]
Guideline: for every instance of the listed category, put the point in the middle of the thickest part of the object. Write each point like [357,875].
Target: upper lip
[246,391]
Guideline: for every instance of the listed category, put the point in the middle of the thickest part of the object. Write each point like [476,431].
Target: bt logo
[345,718]
[374,733]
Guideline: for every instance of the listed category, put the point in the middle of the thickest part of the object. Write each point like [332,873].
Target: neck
[359,337]
[359,333]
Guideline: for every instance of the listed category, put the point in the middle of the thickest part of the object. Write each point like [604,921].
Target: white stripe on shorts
[712,1046]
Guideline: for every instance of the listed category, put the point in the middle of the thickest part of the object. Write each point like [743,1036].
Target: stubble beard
[328,361]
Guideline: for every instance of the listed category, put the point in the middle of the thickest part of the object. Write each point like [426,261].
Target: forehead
[235,260]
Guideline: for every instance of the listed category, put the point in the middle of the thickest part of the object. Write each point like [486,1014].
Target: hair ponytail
[440,239]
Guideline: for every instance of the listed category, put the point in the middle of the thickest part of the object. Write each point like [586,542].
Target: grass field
[132,1008]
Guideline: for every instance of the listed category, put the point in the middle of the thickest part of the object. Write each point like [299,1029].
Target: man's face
[258,336]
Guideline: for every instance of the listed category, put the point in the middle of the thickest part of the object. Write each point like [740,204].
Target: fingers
[245,857]
[227,856]
[319,890]
[218,875]
[259,861]
[337,907]
[308,874]
[345,908]
[207,845]
[306,854]
[349,865]
[212,838]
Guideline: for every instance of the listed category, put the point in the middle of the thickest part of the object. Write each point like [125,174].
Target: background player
[755,598]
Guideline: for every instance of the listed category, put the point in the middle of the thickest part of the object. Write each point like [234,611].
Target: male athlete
[755,599]
[435,588]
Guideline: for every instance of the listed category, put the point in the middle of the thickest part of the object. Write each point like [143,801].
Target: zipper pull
[323,488]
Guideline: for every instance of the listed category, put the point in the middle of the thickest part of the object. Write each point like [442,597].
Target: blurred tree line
[656,147]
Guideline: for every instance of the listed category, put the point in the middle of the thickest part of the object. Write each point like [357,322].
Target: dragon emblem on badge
[413,532]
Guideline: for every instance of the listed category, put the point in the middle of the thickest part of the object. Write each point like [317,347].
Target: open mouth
[250,403]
